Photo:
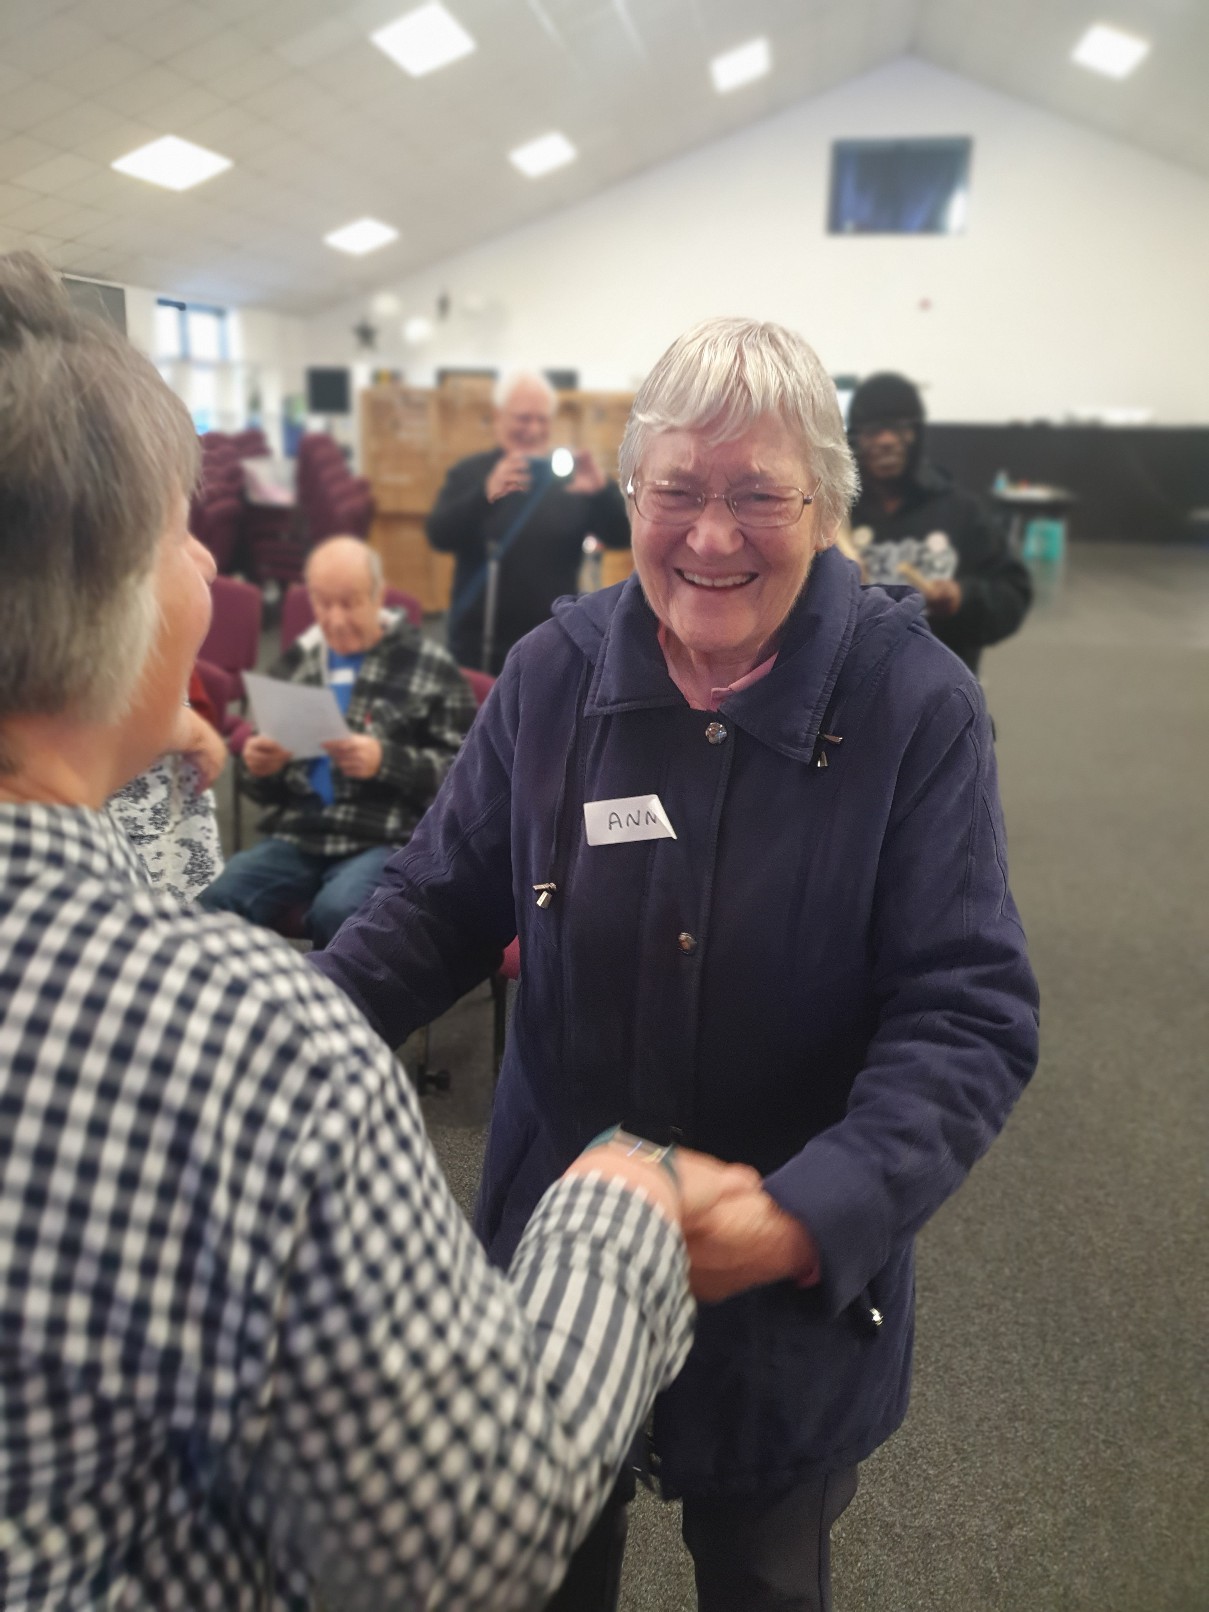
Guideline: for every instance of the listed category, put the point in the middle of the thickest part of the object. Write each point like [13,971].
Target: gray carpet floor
[1054,1459]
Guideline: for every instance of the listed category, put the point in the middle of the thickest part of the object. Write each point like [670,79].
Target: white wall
[267,360]
[1080,281]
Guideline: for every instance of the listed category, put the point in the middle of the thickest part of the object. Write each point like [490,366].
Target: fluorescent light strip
[543,155]
[1110,51]
[424,39]
[741,65]
[174,164]
[365,235]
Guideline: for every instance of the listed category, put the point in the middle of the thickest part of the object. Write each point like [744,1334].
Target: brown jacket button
[686,942]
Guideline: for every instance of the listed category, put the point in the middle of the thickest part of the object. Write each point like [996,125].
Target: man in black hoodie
[912,523]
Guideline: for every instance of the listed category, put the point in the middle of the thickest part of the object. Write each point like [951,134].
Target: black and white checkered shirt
[410,695]
[249,1348]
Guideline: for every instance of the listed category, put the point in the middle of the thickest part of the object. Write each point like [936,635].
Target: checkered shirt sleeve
[250,1348]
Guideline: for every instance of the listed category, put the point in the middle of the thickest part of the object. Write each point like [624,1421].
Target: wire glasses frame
[752,507]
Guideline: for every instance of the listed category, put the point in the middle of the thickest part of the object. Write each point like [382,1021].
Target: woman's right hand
[263,757]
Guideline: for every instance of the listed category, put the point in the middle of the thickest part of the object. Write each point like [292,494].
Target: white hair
[94,449]
[373,560]
[722,376]
[511,379]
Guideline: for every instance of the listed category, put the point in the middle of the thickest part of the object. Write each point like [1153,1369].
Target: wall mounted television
[899,187]
[329,391]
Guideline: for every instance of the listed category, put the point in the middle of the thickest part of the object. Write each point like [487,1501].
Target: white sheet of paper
[299,717]
[629,818]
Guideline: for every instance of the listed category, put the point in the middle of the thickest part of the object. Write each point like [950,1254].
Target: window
[190,331]
[899,187]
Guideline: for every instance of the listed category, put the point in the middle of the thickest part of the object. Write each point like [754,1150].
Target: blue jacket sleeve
[443,911]
[956,1034]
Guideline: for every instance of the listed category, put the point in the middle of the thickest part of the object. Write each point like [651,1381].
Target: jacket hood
[887,396]
[835,617]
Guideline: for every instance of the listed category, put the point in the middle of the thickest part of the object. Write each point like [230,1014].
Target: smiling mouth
[735,580]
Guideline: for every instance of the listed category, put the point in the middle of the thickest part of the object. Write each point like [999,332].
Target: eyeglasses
[751,507]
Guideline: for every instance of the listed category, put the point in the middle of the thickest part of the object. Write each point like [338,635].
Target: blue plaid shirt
[249,1349]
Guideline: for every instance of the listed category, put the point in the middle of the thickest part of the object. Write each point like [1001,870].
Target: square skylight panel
[366,235]
[741,65]
[543,155]
[1110,51]
[423,40]
[175,164]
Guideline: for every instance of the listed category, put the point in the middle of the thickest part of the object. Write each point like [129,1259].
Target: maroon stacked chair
[333,501]
[216,509]
[233,645]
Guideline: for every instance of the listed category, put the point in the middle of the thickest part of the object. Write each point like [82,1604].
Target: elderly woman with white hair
[743,813]
[250,1347]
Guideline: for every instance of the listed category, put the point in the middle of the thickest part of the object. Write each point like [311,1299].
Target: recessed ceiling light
[424,40]
[175,164]
[741,65]
[1110,51]
[543,155]
[366,235]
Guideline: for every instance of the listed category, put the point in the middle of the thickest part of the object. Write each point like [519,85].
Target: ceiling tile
[173,30]
[13,198]
[108,64]
[51,45]
[57,174]
[19,153]
[32,101]
[117,17]
[329,38]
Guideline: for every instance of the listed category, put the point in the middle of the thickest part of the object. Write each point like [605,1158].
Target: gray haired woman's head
[94,449]
[722,376]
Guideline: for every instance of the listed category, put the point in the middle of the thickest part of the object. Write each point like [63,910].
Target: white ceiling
[323,128]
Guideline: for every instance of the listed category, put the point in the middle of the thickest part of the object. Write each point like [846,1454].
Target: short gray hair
[720,377]
[511,379]
[94,448]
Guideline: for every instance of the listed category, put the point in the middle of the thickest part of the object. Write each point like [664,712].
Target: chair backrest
[481,683]
[297,615]
[233,641]
[216,524]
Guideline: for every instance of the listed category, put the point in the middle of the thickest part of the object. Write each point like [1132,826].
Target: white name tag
[340,675]
[633,817]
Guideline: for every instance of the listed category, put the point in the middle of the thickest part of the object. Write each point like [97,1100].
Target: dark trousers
[750,1553]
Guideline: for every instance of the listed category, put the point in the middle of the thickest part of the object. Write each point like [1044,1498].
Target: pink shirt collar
[714,696]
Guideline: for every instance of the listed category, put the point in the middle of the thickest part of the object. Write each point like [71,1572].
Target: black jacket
[944,531]
[541,564]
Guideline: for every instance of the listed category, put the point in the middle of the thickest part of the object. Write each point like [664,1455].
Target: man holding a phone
[509,506]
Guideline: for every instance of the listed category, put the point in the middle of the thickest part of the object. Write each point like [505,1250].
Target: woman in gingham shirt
[248,1346]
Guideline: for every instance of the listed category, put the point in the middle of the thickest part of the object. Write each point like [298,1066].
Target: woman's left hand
[747,1240]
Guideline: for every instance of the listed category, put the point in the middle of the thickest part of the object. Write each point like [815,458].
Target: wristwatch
[638,1147]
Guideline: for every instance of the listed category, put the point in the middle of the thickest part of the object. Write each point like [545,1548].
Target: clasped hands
[737,1236]
[358,756]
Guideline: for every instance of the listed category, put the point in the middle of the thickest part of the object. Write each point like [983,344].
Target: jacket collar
[785,709]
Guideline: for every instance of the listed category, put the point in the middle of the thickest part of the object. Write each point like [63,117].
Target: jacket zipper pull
[545,894]
[826,738]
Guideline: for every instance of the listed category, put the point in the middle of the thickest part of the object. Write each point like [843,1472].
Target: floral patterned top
[173,826]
